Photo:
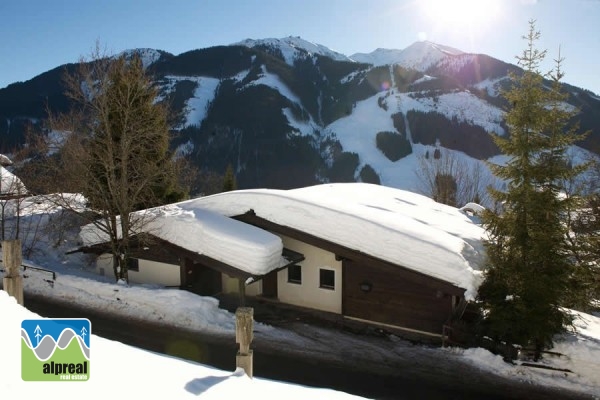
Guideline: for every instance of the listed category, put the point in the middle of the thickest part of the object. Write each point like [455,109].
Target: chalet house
[367,252]
[11,187]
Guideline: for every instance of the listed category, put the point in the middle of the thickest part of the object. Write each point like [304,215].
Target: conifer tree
[529,269]
[229,183]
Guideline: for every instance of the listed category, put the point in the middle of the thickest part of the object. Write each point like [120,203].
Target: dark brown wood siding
[201,279]
[269,288]
[393,297]
[399,296]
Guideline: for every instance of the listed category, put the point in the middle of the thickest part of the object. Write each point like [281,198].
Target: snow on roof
[149,375]
[186,225]
[473,208]
[394,225]
[10,184]
[5,161]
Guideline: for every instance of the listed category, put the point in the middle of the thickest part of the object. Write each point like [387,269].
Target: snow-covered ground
[197,105]
[144,374]
[77,283]
[581,350]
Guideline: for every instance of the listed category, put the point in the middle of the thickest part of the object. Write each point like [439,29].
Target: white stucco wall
[308,293]
[149,271]
[104,265]
[231,285]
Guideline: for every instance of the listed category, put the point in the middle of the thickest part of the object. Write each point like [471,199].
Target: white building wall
[104,265]
[308,293]
[149,271]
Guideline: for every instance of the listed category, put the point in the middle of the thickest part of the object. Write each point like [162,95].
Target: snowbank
[578,352]
[147,374]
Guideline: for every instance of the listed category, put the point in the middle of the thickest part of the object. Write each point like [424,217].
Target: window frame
[324,285]
[291,279]
[133,264]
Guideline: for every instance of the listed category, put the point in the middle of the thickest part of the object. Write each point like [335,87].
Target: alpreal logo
[55,349]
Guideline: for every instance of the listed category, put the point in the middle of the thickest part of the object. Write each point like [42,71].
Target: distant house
[366,252]
[11,186]
[5,161]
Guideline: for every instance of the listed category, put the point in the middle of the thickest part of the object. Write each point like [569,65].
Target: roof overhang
[153,248]
[343,252]
[288,257]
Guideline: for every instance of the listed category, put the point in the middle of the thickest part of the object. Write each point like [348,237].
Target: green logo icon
[55,349]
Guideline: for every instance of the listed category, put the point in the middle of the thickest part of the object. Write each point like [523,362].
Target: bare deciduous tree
[448,179]
[115,149]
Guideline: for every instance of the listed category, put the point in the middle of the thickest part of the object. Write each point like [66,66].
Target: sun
[457,13]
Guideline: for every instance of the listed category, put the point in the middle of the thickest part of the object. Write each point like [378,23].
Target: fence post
[244,326]
[11,259]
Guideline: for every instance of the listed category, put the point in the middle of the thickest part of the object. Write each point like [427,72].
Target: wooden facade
[200,279]
[198,273]
[269,288]
[372,289]
[378,291]
[370,292]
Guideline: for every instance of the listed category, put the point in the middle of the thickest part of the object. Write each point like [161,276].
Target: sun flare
[457,13]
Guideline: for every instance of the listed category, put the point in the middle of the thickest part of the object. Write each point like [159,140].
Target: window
[133,264]
[327,279]
[295,274]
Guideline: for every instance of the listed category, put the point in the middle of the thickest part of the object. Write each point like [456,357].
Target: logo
[55,349]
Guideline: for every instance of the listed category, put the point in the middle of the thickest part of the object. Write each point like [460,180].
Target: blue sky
[36,36]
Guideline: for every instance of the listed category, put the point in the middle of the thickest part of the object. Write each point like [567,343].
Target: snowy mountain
[419,56]
[292,48]
[148,56]
[287,113]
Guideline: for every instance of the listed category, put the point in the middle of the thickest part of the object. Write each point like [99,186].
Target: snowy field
[145,374]
[76,282]
[581,350]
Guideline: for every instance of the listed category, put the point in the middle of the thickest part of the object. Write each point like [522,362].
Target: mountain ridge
[288,112]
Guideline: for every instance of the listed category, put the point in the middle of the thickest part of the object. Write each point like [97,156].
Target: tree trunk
[116,267]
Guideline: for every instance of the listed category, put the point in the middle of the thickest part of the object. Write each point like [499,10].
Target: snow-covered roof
[187,225]
[10,184]
[5,161]
[394,225]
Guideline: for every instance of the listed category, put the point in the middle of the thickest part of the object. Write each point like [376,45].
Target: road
[356,377]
